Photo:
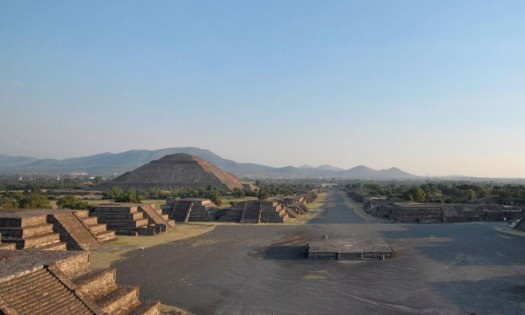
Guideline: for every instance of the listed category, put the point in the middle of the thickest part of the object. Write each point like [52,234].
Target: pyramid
[178,171]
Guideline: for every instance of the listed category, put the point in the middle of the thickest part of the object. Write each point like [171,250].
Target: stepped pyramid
[28,230]
[177,171]
[132,218]
[55,282]
[190,209]
[52,229]
[256,211]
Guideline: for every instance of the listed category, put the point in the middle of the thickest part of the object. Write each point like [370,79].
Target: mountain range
[112,164]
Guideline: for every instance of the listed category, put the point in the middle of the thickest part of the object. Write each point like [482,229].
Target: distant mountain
[112,164]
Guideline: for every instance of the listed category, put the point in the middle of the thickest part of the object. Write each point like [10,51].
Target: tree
[72,202]
[129,196]
[263,194]
[34,200]
[415,194]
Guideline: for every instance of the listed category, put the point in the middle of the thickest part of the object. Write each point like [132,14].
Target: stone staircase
[256,211]
[98,288]
[73,232]
[189,210]
[29,232]
[157,218]
[98,230]
[272,212]
[39,292]
[35,282]
[251,212]
[7,246]
[235,213]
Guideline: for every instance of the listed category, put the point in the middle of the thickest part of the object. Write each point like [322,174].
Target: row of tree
[37,199]
[446,192]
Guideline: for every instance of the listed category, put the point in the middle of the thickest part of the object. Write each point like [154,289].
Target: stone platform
[52,229]
[348,249]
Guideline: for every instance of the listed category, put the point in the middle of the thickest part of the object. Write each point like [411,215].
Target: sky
[436,88]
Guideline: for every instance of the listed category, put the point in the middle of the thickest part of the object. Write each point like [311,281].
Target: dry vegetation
[314,208]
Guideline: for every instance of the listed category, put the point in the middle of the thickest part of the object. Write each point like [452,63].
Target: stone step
[74,232]
[149,230]
[119,216]
[96,283]
[66,306]
[51,246]
[73,266]
[27,231]
[34,241]
[7,246]
[123,298]
[127,232]
[24,221]
[39,292]
[28,296]
[81,214]
[112,225]
[153,216]
[114,209]
[97,228]
[146,308]
[18,283]
[90,221]
[105,236]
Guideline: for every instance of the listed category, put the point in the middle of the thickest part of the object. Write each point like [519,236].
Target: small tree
[72,202]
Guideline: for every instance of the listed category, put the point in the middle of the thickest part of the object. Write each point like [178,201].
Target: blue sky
[432,87]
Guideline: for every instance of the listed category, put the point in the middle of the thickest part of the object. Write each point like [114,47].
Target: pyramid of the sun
[178,171]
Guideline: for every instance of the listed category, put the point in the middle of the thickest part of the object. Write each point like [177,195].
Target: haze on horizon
[432,87]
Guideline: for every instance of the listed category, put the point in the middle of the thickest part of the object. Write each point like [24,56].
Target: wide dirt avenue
[463,268]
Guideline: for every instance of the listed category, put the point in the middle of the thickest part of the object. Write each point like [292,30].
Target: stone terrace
[132,219]
[190,209]
[256,211]
[29,230]
[53,282]
[53,229]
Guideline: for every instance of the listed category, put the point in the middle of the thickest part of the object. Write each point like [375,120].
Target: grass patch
[226,201]
[317,275]
[113,251]
[358,209]
[314,208]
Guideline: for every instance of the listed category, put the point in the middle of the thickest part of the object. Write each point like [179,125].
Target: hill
[114,164]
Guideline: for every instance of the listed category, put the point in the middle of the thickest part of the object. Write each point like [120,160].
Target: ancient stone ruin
[256,211]
[60,282]
[133,219]
[190,209]
[346,249]
[182,171]
[53,230]
[413,212]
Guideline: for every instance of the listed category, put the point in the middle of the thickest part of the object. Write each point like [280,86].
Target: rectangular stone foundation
[345,249]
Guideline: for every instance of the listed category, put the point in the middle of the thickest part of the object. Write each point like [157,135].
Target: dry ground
[463,268]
